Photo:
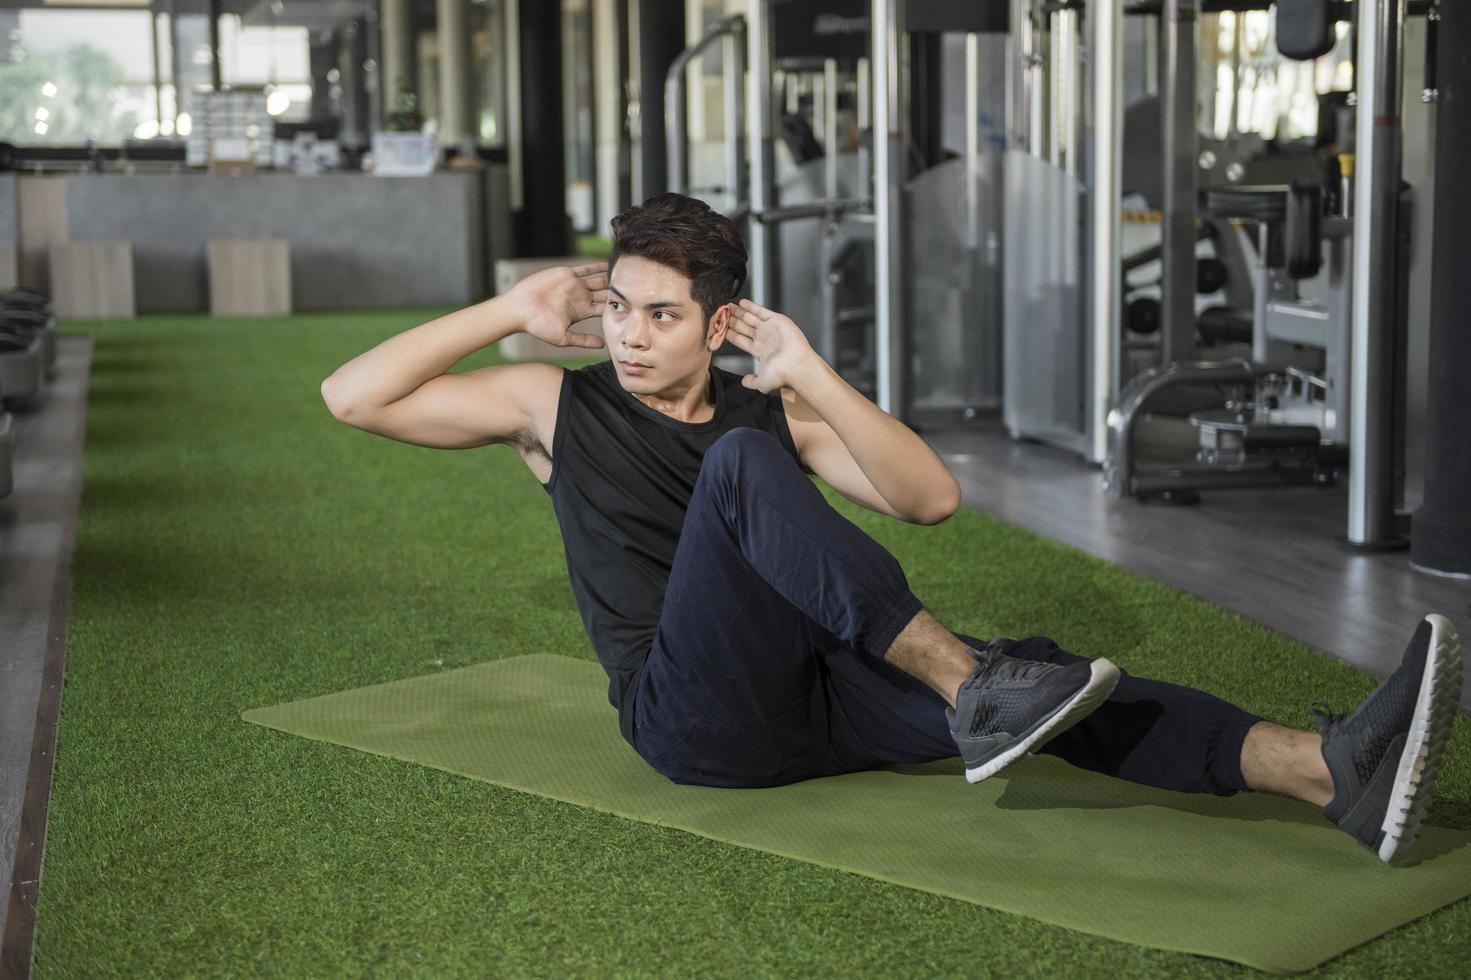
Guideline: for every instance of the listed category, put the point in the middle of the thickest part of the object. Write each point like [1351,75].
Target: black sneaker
[1009,707]
[1385,756]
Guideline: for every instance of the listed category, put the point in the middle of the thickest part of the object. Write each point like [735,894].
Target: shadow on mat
[1044,783]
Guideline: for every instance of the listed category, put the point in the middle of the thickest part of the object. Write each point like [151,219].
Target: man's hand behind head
[547,303]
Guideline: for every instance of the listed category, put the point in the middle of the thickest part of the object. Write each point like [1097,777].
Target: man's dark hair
[689,237]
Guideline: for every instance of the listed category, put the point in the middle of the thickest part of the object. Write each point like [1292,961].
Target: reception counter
[356,241]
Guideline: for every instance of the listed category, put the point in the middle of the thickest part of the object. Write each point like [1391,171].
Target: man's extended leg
[1277,759]
[1373,772]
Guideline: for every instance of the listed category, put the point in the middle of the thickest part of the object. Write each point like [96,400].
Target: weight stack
[1440,540]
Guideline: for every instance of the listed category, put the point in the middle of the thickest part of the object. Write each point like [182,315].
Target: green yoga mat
[1255,878]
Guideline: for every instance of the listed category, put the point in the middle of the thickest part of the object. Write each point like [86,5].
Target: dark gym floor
[37,522]
[1272,555]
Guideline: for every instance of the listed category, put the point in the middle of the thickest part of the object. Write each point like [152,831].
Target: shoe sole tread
[1436,706]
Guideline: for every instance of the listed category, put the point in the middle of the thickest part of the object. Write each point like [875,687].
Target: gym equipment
[28,311]
[820,249]
[22,366]
[27,359]
[27,351]
[1064,296]
[1293,409]
[1271,890]
[1286,419]
[7,453]
[1305,28]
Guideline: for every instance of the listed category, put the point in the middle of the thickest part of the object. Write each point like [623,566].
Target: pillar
[453,31]
[1440,539]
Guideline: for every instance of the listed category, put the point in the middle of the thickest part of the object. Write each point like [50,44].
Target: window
[70,76]
[272,58]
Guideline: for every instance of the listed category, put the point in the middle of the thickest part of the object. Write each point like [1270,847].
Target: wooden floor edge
[17,946]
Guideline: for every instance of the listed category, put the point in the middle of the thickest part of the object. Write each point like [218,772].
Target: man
[752,635]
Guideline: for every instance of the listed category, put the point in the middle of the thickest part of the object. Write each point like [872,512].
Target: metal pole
[157,82]
[759,147]
[1058,79]
[676,102]
[888,137]
[1179,141]
[815,86]
[1065,23]
[676,109]
[734,68]
[624,11]
[865,121]
[1106,153]
[216,11]
[830,126]
[1037,75]
[515,144]
[1378,70]
[972,142]
[174,64]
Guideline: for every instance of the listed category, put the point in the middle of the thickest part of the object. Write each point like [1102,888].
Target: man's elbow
[339,411]
[943,507]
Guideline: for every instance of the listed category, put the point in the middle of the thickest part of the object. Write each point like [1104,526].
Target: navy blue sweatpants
[768,664]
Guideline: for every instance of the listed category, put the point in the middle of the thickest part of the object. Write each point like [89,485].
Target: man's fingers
[598,280]
[592,267]
[756,310]
[739,315]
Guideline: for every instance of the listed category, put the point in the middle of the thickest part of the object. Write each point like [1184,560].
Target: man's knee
[742,445]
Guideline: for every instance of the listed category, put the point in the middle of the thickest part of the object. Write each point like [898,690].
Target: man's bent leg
[926,649]
[769,579]
[766,572]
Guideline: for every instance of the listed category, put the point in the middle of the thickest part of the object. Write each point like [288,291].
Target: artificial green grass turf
[239,547]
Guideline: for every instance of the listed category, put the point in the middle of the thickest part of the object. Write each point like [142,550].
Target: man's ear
[719,324]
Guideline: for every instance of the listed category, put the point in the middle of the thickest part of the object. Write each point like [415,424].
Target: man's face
[650,319]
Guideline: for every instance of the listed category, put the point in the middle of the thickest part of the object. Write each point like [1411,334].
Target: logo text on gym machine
[835,24]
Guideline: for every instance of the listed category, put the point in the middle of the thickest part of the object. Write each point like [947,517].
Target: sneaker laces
[1327,720]
[1000,707]
[1373,740]
[999,667]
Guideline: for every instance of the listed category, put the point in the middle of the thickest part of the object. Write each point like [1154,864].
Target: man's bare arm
[544,305]
[900,465]
[403,362]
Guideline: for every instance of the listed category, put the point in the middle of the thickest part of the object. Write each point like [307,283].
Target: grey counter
[356,241]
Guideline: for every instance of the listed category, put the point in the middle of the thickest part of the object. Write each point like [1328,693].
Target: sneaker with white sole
[1384,758]
[1010,707]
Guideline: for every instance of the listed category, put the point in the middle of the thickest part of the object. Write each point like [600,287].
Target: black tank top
[622,477]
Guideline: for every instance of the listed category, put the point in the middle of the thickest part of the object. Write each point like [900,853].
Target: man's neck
[688,407]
